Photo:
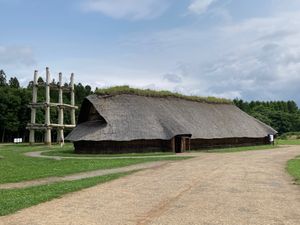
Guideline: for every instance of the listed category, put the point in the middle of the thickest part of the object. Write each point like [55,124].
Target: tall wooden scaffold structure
[48,126]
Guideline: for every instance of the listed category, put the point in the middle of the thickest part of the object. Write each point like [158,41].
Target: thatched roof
[127,117]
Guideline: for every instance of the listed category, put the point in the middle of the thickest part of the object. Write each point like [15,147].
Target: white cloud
[173,78]
[264,62]
[255,59]
[16,55]
[200,6]
[129,9]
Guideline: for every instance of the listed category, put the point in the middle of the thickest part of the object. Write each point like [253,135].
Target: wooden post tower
[48,126]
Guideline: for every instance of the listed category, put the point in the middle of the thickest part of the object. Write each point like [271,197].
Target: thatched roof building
[135,123]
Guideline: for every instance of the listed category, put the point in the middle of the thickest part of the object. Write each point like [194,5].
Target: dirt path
[243,188]
[38,154]
[82,175]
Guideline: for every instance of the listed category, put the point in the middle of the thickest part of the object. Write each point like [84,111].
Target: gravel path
[243,188]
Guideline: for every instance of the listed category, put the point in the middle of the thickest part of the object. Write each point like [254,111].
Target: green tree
[283,116]
[292,107]
[2,78]
[14,83]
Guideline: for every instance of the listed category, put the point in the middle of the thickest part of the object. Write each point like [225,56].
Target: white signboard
[18,140]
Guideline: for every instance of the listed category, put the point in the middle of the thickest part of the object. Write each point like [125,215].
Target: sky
[223,48]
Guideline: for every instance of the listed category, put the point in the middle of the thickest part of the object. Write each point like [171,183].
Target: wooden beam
[33,110]
[62,125]
[60,132]
[64,106]
[45,105]
[37,126]
[73,122]
[55,87]
[47,109]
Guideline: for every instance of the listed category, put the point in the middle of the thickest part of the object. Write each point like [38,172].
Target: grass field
[278,142]
[70,152]
[288,142]
[293,167]
[16,199]
[15,167]
[241,149]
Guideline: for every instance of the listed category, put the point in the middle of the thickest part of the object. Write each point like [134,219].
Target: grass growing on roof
[15,167]
[16,199]
[117,90]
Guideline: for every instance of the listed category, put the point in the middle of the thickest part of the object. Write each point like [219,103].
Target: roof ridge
[121,90]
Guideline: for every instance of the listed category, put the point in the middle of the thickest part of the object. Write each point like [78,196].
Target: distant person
[271,139]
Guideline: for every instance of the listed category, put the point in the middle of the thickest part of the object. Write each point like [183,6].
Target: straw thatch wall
[119,123]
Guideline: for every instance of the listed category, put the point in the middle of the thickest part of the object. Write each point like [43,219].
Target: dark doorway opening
[178,144]
[182,143]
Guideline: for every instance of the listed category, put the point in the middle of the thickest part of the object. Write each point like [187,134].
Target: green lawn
[16,199]
[15,167]
[241,149]
[259,147]
[288,142]
[70,152]
[293,167]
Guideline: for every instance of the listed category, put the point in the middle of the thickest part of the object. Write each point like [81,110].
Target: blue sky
[226,48]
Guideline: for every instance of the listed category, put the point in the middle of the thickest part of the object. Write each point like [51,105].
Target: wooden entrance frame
[182,143]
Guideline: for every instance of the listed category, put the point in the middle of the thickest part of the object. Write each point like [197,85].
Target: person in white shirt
[271,139]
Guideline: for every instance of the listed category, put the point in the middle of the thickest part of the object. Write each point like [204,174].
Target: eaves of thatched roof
[128,117]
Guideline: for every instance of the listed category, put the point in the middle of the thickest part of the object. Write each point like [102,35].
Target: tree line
[15,113]
[284,116]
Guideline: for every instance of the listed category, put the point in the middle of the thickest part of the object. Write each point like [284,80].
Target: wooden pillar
[73,122]
[60,131]
[47,109]
[33,110]
[173,145]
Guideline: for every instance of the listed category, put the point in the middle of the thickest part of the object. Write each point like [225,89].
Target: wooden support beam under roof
[58,105]
[55,87]
[38,126]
